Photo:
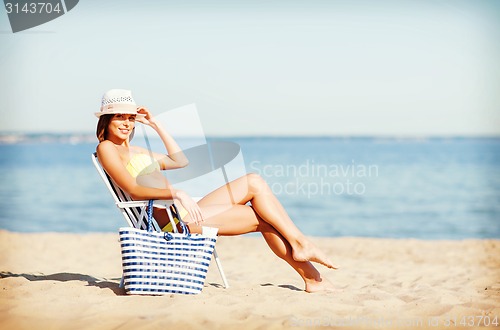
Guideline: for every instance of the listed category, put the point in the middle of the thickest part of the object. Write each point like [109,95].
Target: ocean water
[372,187]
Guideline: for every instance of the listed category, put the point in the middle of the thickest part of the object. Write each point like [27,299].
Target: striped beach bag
[156,263]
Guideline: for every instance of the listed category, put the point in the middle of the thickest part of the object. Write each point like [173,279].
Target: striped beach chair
[135,211]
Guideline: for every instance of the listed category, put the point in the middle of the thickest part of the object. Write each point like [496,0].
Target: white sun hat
[118,101]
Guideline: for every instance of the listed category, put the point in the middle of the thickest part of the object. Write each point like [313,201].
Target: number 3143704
[472,321]
[33,8]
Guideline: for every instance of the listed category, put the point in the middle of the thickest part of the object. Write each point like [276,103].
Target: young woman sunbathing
[244,205]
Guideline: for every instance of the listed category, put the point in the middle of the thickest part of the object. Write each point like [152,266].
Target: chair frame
[135,211]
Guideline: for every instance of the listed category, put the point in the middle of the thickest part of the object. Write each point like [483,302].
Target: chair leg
[121,283]
[221,271]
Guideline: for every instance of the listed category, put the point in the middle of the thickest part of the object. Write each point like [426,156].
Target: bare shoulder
[105,147]
[110,158]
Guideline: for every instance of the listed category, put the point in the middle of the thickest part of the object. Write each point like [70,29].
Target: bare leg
[252,188]
[238,219]
[311,276]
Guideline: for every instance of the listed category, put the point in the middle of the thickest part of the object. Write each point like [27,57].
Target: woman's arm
[111,161]
[175,158]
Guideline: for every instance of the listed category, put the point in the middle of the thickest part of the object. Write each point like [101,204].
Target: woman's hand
[148,119]
[191,206]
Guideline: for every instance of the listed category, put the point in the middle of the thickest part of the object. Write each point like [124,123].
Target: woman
[134,171]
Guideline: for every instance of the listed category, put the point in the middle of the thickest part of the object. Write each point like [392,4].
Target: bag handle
[150,215]
[185,230]
[168,236]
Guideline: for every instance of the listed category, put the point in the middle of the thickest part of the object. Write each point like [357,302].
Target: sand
[70,281]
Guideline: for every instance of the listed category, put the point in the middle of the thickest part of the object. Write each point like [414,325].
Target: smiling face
[117,127]
[121,126]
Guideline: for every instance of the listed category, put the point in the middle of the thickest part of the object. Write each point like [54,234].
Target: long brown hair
[102,127]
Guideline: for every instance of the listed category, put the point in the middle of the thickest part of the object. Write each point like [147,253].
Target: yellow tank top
[142,164]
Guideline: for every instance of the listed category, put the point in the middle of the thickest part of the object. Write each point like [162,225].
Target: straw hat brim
[119,108]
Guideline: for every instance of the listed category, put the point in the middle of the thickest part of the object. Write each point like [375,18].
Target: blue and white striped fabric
[158,263]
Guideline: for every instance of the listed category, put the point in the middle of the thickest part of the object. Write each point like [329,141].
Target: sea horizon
[87,137]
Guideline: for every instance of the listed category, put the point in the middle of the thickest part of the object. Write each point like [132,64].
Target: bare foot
[309,252]
[320,285]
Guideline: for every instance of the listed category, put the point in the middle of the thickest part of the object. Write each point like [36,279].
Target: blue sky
[263,67]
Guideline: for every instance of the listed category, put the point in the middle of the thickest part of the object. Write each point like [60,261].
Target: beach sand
[70,281]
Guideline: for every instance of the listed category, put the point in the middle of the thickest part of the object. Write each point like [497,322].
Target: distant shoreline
[77,138]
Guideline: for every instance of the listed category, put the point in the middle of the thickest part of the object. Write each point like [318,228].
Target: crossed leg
[252,188]
[226,209]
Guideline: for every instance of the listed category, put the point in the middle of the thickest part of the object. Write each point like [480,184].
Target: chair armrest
[156,203]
